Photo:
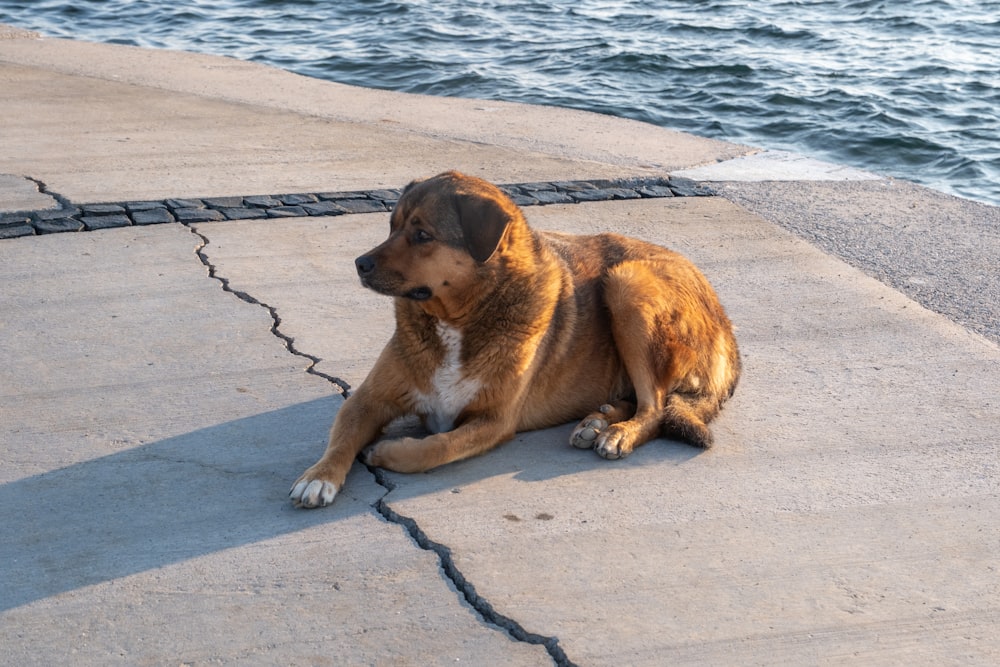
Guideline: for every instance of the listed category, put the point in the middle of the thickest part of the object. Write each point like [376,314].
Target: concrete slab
[775,166]
[13,32]
[161,143]
[18,193]
[847,513]
[939,250]
[151,422]
[153,124]
[330,316]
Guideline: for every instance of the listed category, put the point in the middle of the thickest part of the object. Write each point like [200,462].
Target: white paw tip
[315,493]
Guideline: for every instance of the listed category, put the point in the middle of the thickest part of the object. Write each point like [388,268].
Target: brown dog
[501,329]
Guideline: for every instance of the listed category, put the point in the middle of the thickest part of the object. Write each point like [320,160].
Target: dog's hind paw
[311,493]
[585,435]
[614,443]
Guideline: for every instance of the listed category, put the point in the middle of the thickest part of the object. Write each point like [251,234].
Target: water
[907,89]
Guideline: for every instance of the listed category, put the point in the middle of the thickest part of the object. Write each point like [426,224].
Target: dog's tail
[686,416]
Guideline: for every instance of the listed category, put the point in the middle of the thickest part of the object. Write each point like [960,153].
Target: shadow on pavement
[218,488]
[163,502]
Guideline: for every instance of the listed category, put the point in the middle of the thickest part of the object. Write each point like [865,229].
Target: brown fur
[500,328]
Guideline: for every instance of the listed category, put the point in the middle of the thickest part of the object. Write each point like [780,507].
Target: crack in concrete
[482,607]
[342,386]
[64,202]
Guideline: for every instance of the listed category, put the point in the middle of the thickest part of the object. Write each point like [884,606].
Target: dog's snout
[365,265]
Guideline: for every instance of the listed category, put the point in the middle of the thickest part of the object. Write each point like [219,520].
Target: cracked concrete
[150,478]
[20,193]
[467,590]
[276,330]
[161,387]
[482,607]
[538,516]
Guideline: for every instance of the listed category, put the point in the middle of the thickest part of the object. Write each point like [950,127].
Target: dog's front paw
[310,491]
[402,455]
[390,454]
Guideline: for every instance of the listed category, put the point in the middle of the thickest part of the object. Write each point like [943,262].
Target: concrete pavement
[154,421]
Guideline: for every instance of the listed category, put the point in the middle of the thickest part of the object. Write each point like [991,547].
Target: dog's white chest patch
[450,390]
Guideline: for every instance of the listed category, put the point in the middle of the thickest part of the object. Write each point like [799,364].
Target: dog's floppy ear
[483,220]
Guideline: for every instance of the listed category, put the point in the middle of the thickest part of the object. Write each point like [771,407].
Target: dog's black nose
[365,264]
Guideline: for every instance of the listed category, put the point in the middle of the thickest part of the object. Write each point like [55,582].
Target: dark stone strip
[84,217]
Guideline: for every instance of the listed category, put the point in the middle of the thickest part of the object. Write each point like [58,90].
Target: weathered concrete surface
[20,194]
[848,512]
[209,126]
[942,251]
[767,166]
[10,32]
[151,422]
[311,280]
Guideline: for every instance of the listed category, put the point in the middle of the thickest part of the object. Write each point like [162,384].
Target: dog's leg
[619,439]
[360,420]
[474,437]
[645,332]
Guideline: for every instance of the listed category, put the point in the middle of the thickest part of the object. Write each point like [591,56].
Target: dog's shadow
[151,505]
[226,486]
[536,456]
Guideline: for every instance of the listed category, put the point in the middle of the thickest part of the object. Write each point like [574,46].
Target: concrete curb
[88,217]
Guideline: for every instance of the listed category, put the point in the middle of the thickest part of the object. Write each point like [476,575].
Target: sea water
[903,88]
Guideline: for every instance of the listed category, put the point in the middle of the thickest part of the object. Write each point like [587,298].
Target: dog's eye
[420,236]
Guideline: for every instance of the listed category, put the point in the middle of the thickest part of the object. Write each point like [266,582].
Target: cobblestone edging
[86,217]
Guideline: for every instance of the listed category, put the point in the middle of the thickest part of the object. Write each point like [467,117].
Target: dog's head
[441,232]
